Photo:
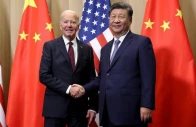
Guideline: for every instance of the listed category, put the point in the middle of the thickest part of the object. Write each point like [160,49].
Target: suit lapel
[62,47]
[63,50]
[123,46]
[108,51]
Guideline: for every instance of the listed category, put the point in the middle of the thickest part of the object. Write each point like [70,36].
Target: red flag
[2,113]
[25,98]
[94,26]
[176,77]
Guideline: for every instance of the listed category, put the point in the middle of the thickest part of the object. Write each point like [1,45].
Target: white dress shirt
[75,47]
[121,40]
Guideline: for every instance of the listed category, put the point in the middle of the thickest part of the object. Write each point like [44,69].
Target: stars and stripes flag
[94,29]
[2,111]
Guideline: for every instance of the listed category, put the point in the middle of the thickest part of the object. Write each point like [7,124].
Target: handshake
[76,91]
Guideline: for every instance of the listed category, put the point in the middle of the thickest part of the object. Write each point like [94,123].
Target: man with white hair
[66,61]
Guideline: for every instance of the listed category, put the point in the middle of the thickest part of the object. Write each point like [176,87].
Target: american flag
[2,113]
[94,29]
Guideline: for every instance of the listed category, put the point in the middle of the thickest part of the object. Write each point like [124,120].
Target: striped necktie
[116,43]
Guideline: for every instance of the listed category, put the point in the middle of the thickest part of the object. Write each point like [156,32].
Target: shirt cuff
[68,89]
[92,110]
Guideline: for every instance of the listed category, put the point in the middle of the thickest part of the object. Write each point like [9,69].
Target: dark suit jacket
[56,74]
[128,83]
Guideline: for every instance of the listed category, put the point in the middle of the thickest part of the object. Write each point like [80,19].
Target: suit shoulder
[140,40]
[140,36]
[52,42]
[82,44]
[108,44]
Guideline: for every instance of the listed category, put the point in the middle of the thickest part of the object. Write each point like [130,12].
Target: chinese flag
[25,98]
[176,76]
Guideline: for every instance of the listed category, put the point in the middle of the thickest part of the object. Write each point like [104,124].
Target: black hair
[122,5]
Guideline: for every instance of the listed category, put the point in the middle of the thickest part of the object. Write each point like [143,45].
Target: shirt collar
[67,41]
[122,37]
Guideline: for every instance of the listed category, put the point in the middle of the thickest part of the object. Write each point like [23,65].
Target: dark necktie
[116,43]
[71,55]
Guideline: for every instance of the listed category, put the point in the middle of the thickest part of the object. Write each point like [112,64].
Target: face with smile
[119,22]
[69,24]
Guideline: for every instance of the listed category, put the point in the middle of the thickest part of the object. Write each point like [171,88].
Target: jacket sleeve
[93,97]
[148,73]
[46,75]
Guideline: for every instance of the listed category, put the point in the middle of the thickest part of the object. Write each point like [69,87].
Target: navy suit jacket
[128,83]
[56,74]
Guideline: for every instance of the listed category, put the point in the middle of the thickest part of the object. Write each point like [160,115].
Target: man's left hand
[145,114]
[91,115]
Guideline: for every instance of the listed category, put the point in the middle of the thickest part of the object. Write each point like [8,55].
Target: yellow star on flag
[179,13]
[49,26]
[29,3]
[23,36]
[36,37]
[149,24]
[165,25]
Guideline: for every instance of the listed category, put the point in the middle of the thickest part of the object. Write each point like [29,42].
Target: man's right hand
[76,91]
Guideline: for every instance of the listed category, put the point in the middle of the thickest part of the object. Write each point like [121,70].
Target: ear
[61,27]
[78,26]
[130,22]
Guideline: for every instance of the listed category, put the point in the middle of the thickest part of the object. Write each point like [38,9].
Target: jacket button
[108,74]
